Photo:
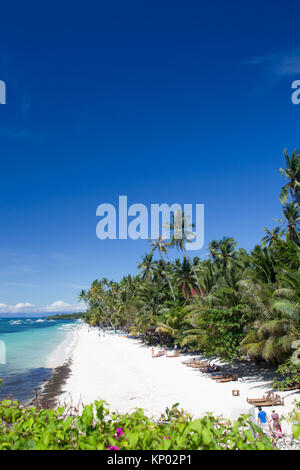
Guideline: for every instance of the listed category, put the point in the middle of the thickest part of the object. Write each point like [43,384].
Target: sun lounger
[268,397]
[288,389]
[228,379]
[270,403]
[190,361]
[206,368]
[267,401]
[198,364]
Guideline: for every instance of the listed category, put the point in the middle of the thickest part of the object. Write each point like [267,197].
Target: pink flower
[113,448]
[119,433]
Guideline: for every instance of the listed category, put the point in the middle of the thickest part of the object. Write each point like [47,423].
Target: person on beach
[262,420]
[276,424]
[152,351]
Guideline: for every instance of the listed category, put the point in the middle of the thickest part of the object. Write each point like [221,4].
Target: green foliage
[296,421]
[234,302]
[98,429]
[220,331]
[66,316]
[288,375]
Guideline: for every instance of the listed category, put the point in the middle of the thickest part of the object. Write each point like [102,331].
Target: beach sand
[122,372]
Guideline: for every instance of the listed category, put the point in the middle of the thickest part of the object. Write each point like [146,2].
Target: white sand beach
[122,372]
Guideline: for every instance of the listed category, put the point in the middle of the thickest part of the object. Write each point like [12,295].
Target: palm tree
[172,323]
[208,275]
[146,267]
[292,172]
[161,246]
[184,275]
[291,213]
[224,252]
[263,265]
[83,296]
[272,339]
[272,236]
[182,235]
[97,295]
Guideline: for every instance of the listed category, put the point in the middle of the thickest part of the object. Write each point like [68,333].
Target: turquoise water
[28,342]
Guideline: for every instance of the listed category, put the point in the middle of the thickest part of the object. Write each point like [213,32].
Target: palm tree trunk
[106,317]
[195,274]
[170,285]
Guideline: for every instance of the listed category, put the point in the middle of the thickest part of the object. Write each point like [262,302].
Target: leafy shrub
[288,375]
[98,429]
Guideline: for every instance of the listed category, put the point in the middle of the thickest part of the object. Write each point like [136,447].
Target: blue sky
[160,101]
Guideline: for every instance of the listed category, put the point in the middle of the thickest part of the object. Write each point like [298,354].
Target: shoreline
[51,390]
[121,372]
[60,363]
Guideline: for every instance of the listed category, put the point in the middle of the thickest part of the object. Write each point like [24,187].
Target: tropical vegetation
[233,303]
[96,428]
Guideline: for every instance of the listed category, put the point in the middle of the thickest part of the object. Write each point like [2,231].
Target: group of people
[164,352]
[269,425]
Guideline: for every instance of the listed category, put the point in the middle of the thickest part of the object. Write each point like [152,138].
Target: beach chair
[228,379]
[197,364]
[277,402]
[190,361]
[271,400]
[268,397]
[292,387]
[227,375]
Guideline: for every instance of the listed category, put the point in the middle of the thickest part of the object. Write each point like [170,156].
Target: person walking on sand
[276,424]
[262,420]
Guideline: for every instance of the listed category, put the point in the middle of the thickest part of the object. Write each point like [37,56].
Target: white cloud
[281,63]
[26,304]
[59,306]
[59,303]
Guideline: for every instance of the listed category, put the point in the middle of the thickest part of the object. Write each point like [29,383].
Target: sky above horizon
[160,101]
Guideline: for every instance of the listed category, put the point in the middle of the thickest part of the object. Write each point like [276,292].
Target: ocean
[26,348]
